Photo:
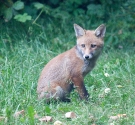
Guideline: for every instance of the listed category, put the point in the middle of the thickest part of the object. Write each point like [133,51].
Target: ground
[111,86]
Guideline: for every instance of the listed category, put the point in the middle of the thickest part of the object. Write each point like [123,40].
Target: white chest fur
[87,67]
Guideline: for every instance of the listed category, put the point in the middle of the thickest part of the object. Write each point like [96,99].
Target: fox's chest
[87,67]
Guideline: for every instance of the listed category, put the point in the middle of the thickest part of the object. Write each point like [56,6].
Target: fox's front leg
[79,85]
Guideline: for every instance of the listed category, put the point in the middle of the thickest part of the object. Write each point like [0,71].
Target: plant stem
[38,16]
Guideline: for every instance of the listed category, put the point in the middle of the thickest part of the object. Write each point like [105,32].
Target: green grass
[20,68]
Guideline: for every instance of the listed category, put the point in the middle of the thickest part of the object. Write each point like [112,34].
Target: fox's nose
[86,57]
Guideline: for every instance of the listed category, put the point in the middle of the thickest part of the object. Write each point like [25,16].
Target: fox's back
[61,69]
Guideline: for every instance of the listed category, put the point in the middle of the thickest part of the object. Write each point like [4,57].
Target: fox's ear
[100,31]
[79,31]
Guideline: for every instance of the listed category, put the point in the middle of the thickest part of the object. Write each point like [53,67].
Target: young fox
[67,70]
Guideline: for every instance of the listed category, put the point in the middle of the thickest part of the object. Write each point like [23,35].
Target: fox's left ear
[100,31]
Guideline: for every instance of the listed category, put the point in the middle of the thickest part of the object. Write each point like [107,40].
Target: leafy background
[118,15]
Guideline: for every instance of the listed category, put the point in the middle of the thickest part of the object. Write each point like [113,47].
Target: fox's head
[89,42]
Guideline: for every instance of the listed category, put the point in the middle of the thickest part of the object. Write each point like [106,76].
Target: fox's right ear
[100,31]
[79,31]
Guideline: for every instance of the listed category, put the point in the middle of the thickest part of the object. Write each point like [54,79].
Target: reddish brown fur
[69,68]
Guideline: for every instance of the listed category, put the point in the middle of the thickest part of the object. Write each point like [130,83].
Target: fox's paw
[66,100]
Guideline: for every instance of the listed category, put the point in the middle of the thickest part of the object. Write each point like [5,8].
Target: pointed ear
[100,31]
[79,31]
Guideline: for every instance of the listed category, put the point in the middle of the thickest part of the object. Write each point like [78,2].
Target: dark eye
[93,45]
[83,45]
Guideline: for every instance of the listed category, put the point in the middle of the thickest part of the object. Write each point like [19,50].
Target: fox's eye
[93,45]
[83,45]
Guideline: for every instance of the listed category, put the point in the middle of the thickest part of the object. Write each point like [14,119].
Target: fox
[66,71]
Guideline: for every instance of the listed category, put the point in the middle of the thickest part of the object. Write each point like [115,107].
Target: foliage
[8,8]
[22,18]
[119,17]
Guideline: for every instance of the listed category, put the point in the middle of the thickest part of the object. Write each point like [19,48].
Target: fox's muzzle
[88,56]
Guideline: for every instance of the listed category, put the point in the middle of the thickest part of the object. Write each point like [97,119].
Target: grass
[21,65]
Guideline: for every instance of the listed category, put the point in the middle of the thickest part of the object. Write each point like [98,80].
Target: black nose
[86,57]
